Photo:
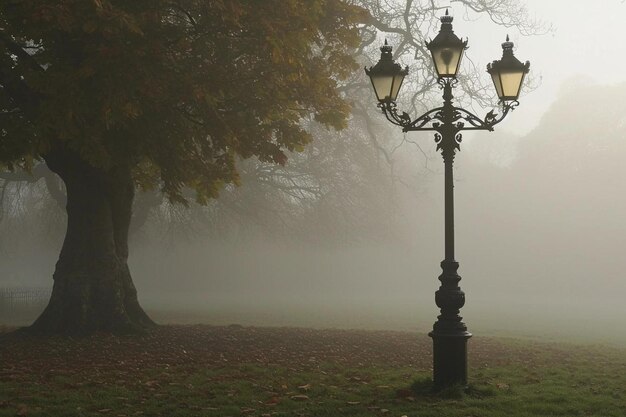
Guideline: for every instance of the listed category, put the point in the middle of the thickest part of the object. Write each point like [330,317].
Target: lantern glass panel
[382,87]
[397,83]
[495,76]
[511,83]
[447,60]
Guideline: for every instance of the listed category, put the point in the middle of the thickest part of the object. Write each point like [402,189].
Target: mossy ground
[235,371]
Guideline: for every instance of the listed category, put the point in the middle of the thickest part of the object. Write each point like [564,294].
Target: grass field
[252,371]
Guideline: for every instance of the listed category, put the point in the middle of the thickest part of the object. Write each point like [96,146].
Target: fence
[20,305]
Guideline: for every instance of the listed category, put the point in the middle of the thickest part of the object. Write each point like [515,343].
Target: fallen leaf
[272,401]
[404,393]
[22,410]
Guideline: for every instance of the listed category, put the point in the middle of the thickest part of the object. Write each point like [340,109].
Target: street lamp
[449,333]
[447,49]
[386,75]
[508,73]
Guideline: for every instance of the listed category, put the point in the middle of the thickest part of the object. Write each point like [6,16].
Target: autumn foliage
[176,89]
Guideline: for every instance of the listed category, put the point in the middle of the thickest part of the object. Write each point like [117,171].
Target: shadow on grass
[423,388]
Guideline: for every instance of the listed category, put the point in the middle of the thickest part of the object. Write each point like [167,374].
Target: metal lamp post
[449,333]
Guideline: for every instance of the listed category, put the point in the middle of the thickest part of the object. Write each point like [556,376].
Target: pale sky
[586,34]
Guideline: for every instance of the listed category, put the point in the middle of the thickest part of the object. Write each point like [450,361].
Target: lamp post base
[449,359]
[449,332]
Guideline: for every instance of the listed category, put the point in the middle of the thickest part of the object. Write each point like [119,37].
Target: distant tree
[115,95]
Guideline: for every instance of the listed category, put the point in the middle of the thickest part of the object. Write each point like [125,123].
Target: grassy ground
[247,371]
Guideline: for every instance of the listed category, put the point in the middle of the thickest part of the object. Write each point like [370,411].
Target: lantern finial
[507,47]
[386,51]
[447,18]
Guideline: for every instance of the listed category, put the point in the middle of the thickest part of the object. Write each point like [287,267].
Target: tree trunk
[93,290]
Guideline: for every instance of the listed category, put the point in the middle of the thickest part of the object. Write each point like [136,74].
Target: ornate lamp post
[449,333]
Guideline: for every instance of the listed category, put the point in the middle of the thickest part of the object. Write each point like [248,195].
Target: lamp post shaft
[449,210]
[448,150]
[449,333]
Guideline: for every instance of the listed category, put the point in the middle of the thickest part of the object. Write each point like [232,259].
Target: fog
[540,227]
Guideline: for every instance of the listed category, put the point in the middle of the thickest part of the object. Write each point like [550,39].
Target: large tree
[152,94]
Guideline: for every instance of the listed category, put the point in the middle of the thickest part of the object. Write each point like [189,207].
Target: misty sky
[584,36]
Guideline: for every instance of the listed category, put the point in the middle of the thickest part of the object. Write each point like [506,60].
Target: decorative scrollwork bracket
[434,119]
[448,114]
